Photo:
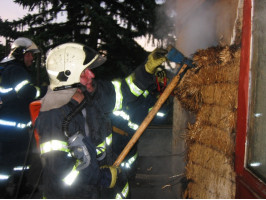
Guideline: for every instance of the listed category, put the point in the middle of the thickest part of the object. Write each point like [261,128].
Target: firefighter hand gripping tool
[176,56]
[163,97]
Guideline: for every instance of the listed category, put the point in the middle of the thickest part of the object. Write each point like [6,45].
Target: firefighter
[126,122]
[75,133]
[17,90]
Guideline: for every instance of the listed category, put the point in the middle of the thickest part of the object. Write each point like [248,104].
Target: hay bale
[223,94]
[210,91]
[211,159]
[217,116]
[207,57]
[206,184]
[215,65]
[190,98]
[212,137]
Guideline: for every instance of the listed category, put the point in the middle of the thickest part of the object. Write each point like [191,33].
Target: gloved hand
[157,57]
[109,176]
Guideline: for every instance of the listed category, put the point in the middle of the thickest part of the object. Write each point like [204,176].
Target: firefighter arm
[23,85]
[112,95]
[155,58]
[29,91]
[21,88]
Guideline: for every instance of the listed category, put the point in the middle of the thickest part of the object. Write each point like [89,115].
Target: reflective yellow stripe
[119,96]
[126,117]
[133,88]
[145,93]
[5,90]
[57,145]
[109,139]
[14,124]
[17,87]
[159,114]
[124,192]
[72,176]
[133,125]
[53,145]
[20,85]
[122,114]
[38,92]
[102,146]
[130,161]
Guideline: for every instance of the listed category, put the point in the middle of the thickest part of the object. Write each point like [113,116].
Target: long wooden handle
[168,90]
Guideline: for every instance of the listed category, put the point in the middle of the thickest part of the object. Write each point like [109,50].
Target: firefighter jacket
[125,125]
[16,92]
[61,179]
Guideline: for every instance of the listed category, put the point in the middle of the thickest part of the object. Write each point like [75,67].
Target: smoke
[193,23]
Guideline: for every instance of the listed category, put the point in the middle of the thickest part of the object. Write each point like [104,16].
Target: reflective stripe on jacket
[124,193]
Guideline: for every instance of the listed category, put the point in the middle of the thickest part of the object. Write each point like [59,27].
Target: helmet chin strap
[74,85]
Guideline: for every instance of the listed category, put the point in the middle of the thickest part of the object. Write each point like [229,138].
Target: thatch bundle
[216,65]
[211,137]
[210,91]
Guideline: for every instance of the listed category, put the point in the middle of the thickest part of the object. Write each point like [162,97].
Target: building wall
[203,24]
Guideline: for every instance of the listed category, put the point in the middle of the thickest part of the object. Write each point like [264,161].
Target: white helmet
[19,47]
[65,63]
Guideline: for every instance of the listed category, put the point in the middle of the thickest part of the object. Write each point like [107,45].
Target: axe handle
[168,90]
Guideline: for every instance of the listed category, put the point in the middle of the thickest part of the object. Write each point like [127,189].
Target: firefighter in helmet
[17,90]
[75,132]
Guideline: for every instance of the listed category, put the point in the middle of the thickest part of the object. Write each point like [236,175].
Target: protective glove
[109,176]
[156,58]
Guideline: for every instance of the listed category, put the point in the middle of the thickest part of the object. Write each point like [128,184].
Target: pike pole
[168,90]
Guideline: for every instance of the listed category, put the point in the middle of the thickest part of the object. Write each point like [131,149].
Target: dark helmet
[19,47]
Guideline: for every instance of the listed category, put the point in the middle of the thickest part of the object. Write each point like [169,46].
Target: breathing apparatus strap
[74,112]
[75,141]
